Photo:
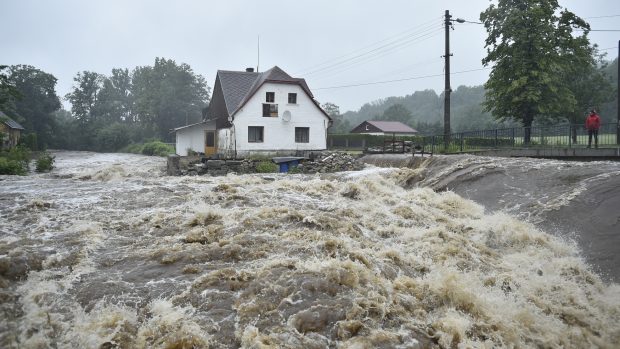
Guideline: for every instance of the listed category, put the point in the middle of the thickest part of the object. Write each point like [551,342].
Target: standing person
[593,122]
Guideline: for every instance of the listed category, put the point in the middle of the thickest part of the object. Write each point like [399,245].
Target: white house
[266,113]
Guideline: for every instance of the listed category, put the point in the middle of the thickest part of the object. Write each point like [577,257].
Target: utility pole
[618,100]
[447,89]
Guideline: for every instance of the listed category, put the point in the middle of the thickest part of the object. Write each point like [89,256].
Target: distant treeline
[108,112]
[423,110]
[111,112]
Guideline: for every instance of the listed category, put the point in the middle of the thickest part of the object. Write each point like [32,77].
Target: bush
[157,148]
[12,167]
[19,153]
[15,161]
[266,167]
[132,148]
[112,137]
[45,162]
[29,141]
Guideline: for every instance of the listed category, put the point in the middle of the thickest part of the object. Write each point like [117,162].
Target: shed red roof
[385,126]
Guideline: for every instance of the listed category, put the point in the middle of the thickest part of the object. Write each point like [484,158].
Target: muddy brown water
[107,252]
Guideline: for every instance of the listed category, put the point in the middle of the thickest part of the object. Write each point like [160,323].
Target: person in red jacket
[593,122]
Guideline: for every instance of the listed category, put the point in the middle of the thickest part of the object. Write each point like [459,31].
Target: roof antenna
[258,58]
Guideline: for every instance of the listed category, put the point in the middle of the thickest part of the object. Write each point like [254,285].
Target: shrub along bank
[153,148]
[15,161]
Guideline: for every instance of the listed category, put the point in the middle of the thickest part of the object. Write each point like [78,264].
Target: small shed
[374,127]
[198,137]
[11,130]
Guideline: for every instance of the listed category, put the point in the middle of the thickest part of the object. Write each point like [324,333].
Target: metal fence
[560,136]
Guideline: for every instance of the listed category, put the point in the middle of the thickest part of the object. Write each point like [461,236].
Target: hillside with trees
[423,110]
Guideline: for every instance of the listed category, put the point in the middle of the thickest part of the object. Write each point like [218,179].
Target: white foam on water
[298,261]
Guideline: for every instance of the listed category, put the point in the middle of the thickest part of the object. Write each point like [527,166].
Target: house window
[292,98]
[270,110]
[270,97]
[302,134]
[255,134]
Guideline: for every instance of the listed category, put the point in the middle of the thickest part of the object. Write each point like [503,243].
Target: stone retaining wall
[322,162]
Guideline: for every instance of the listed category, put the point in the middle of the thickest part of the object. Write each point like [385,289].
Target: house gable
[234,89]
[366,127]
[373,126]
[304,128]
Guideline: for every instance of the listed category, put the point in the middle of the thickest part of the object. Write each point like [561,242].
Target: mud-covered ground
[107,252]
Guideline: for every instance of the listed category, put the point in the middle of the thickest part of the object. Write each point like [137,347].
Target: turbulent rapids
[107,252]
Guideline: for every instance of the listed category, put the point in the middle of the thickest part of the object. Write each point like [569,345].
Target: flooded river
[108,252]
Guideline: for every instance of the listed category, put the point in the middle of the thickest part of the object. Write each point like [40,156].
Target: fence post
[461,141]
[495,138]
[513,137]
[433,144]
[570,135]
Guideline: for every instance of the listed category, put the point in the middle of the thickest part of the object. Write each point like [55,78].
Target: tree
[168,95]
[114,99]
[84,94]
[339,124]
[8,91]
[37,103]
[591,89]
[397,112]
[534,51]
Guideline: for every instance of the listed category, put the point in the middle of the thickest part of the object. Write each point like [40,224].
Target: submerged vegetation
[14,161]
[156,148]
[45,162]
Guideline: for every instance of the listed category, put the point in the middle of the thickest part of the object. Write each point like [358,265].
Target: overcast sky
[327,42]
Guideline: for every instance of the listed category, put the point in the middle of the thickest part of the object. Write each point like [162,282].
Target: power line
[346,65]
[598,30]
[608,16]
[395,44]
[399,80]
[369,46]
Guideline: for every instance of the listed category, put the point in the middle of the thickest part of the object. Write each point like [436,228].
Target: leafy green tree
[114,99]
[8,91]
[339,124]
[112,137]
[397,112]
[591,88]
[84,94]
[534,50]
[609,110]
[37,103]
[168,95]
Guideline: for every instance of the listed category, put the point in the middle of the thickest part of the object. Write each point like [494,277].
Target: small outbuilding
[198,137]
[380,128]
[11,131]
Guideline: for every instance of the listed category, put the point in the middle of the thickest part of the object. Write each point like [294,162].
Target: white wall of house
[279,135]
[226,142]
[192,137]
